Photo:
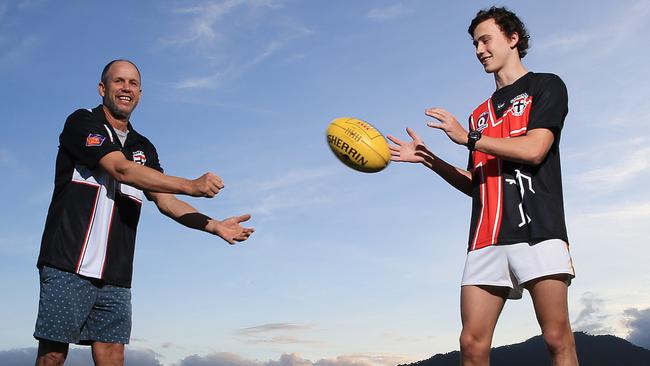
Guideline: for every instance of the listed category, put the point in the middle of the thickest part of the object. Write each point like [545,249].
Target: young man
[518,235]
[103,167]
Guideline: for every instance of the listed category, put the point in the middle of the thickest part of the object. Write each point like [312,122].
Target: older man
[103,169]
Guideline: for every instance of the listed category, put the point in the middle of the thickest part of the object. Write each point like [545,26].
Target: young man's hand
[449,124]
[407,151]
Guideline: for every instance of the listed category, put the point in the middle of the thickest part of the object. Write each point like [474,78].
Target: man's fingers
[243,218]
[216,181]
[437,113]
[394,140]
[411,133]
[242,236]
[439,126]
[432,111]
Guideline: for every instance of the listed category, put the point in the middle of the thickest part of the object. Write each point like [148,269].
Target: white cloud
[273,327]
[638,323]
[606,37]
[293,359]
[592,318]
[358,359]
[388,12]
[79,356]
[203,28]
[16,52]
[614,163]
[276,333]
[621,212]
[207,81]
[294,189]
[217,359]
[294,178]
[211,29]
[286,200]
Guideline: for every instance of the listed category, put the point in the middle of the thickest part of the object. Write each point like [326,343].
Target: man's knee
[51,353]
[558,340]
[472,346]
[108,353]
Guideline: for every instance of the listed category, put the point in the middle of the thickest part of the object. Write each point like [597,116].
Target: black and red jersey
[515,202]
[92,220]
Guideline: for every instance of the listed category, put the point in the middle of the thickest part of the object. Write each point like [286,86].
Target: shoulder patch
[95,140]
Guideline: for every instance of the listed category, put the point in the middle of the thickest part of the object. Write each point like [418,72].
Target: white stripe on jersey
[93,254]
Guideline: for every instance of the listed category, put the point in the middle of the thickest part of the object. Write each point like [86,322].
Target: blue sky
[344,267]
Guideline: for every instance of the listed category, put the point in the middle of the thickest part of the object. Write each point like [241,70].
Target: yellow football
[358,144]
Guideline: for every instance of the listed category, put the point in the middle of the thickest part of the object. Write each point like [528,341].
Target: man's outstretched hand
[407,151]
[230,229]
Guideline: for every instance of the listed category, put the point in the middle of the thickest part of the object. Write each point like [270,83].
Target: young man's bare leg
[108,354]
[480,307]
[51,353]
[549,296]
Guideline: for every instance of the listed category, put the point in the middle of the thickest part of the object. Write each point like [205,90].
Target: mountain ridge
[593,350]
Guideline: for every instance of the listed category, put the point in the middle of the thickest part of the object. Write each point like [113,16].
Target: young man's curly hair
[507,21]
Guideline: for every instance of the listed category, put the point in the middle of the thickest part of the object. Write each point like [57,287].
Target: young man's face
[121,91]
[493,47]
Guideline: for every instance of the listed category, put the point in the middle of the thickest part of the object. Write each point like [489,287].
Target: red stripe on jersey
[487,169]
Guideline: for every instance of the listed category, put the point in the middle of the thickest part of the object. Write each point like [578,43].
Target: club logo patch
[95,140]
[519,104]
[139,157]
[482,122]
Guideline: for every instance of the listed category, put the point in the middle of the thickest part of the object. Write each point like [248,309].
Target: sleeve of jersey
[86,139]
[550,104]
[153,162]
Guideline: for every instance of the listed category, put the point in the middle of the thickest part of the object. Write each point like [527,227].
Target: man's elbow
[536,156]
[122,171]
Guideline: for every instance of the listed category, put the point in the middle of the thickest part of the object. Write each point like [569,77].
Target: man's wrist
[472,139]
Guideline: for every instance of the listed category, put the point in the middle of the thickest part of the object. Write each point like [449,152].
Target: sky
[345,268]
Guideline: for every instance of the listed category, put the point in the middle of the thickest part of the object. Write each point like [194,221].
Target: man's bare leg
[108,354]
[480,307]
[549,296]
[51,353]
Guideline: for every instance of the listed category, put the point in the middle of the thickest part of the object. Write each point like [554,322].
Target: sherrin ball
[358,144]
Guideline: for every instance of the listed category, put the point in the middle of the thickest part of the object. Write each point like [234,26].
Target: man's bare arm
[229,229]
[151,180]
[530,148]
[415,151]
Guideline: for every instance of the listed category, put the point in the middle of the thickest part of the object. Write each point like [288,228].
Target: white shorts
[513,265]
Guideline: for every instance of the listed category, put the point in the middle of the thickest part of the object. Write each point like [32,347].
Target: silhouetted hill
[601,350]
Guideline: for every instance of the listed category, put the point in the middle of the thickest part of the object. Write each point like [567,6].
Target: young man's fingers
[437,125]
[411,133]
[394,140]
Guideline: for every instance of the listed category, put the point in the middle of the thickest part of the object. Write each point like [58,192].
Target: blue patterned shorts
[77,309]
